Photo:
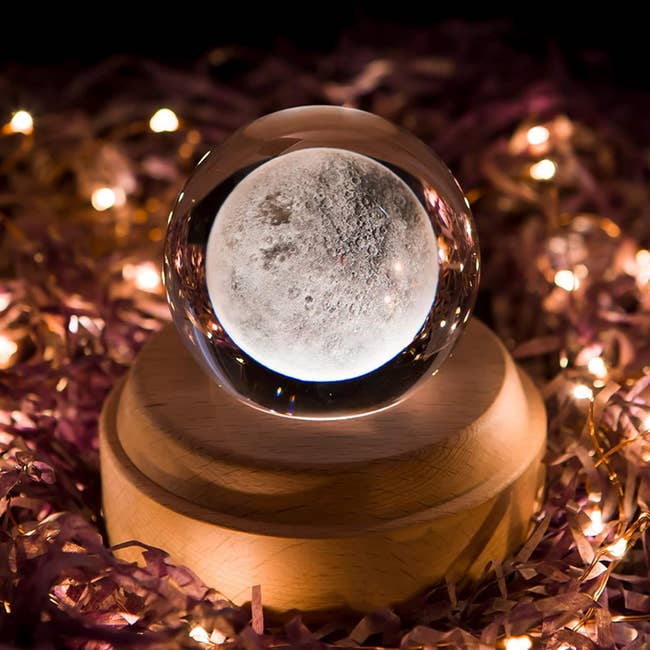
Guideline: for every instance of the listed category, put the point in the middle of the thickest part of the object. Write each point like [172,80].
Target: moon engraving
[322,264]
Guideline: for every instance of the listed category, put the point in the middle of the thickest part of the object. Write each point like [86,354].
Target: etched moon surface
[322,264]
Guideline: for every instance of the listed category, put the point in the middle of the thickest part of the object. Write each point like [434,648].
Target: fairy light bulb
[596,526]
[199,634]
[580,391]
[544,170]
[537,135]
[217,637]
[7,349]
[522,642]
[566,279]
[597,367]
[163,120]
[147,277]
[617,549]
[21,122]
[642,259]
[103,198]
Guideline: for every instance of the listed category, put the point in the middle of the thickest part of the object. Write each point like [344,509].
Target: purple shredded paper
[566,280]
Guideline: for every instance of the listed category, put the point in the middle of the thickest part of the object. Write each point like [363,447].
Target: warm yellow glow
[642,259]
[199,634]
[130,618]
[21,122]
[543,170]
[617,549]
[596,526]
[537,135]
[7,349]
[103,198]
[594,496]
[164,119]
[146,276]
[217,637]
[518,642]
[646,423]
[566,279]
[5,301]
[580,391]
[597,367]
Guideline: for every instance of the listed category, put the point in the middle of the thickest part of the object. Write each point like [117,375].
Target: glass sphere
[320,263]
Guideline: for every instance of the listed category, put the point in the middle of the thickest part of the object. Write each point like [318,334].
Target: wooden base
[360,513]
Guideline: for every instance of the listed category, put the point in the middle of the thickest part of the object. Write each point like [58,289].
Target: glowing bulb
[643,257]
[596,366]
[537,135]
[21,122]
[581,391]
[217,637]
[596,526]
[617,549]
[543,170]
[646,423]
[518,642]
[164,119]
[199,634]
[147,277]
[7,349]
[643,267]
[5,301]
[103,198]
[566,279]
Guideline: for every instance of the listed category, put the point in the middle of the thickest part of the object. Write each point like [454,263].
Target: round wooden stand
[359,513]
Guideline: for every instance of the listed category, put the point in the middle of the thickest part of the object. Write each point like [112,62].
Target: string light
[103,198]
[217,637]
[145,276]
[597,367]
[163,120]
[580,391]
[199,634]
[617,549]
[537,135]
[596,526]
[566,279]
[642,259]
[7,349]
[544,170]
[518,642]
[21,122]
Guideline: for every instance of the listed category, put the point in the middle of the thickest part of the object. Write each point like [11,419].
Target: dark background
[611,42]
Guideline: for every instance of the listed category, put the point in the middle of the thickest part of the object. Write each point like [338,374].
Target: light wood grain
[361,512]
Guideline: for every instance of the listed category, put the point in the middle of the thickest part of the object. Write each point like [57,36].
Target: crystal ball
[320,263]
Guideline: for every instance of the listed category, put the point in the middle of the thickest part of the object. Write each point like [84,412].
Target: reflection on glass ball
[320,263]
